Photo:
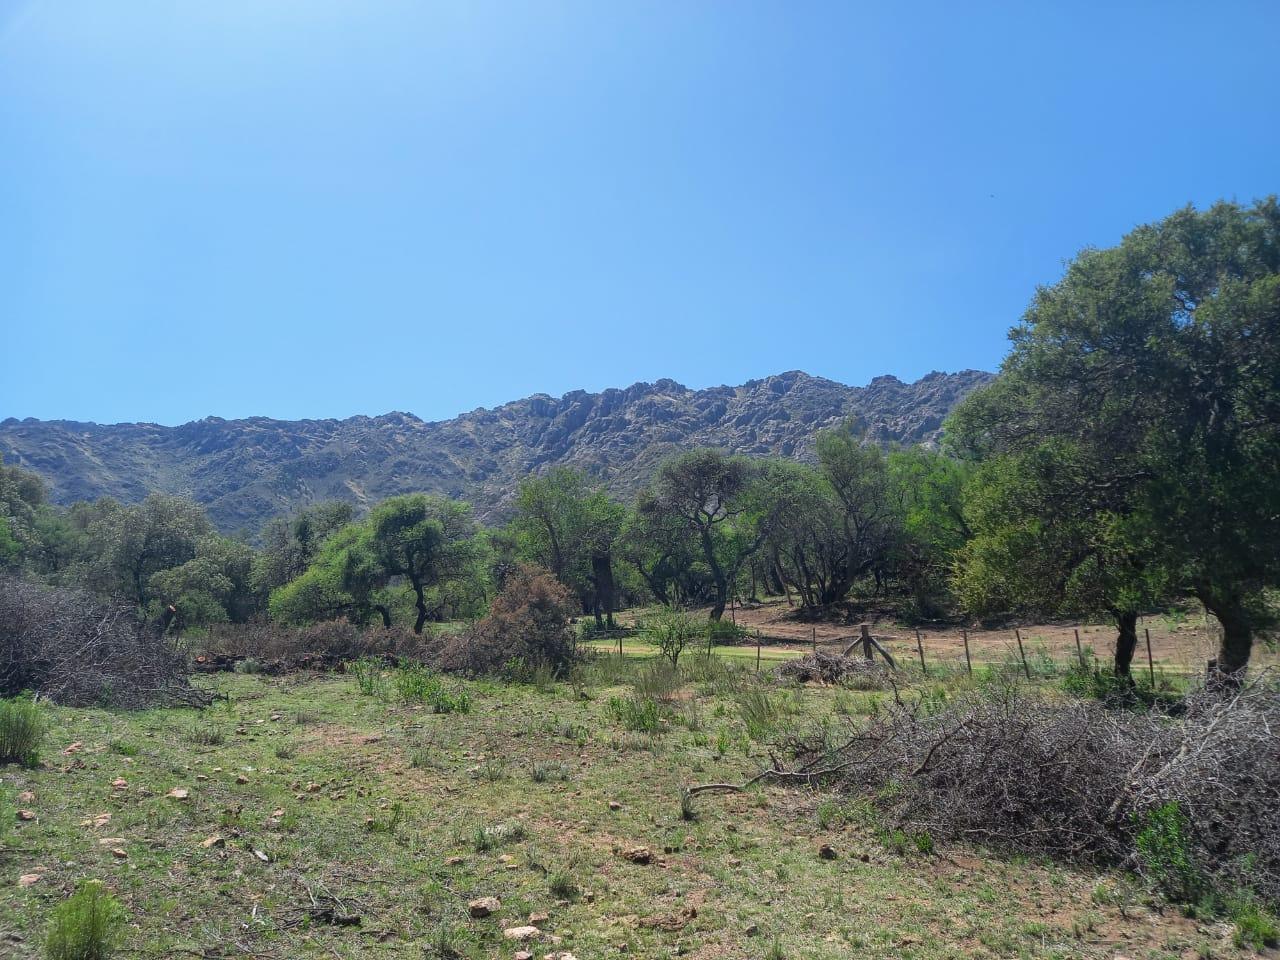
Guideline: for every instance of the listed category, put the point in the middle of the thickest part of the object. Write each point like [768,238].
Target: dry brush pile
[1190,797]
[78,649]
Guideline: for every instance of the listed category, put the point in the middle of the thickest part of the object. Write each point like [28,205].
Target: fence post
[865,629]
[1023,654]
[1151,664]
[967,662]
[619,644]
[1079,649]
[920,646]
[757,651]
[813,636]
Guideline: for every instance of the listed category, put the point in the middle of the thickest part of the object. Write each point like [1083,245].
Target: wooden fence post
[1151,664]
[865,629]
[920,646]
[967,662]
[619,644]
[757,651]
[1022,653]
[1079,649]
[813,636]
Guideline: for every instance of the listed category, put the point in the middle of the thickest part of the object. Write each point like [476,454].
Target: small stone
[27,796]
[26,814]
[313,788]
[178,793]
[242,779]
[454,861]
[641,855]
[28,879]
[537,918]
[827,852]
[111,841]
[751,930]
[261,856]
[520,933]
[614,805]
[484,906]
[215,841]
[119,783]
[74,748]
[523,955]
[119,853]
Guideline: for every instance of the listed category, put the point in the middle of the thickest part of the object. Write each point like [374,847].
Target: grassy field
[300,817]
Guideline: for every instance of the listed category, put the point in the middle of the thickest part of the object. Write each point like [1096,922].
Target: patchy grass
[365,831]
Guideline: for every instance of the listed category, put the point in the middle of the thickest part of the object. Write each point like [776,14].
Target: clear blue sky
[312,208]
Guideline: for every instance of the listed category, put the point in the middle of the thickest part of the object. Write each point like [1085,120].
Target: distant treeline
[1127,455]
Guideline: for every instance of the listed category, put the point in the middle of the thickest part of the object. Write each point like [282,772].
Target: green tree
[130,545]
[426,539]
[700,493]
[1156,365]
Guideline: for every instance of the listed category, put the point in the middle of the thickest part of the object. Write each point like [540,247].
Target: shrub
[418,684]
[21,731]
[528,621]
[671,630]
[85,926]
[77,649]
[635,713]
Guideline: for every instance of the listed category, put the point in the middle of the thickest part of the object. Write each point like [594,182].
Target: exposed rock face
[245,471]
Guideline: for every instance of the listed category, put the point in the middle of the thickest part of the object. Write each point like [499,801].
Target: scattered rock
[537,918]
[827,852]
[74,748]
[215,841]
[26,814]
[520,933]
[98,822]
[484,906]
[242,779]
[641,855]
[178,793]
[454,861]
[119,783]
[751,930]
[28,879]
[119,853]
[614,805]
[313,788]
[27,796]
[111,841]
[261,856]
[523,955]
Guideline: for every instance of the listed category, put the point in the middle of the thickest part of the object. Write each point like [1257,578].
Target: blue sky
[311,208]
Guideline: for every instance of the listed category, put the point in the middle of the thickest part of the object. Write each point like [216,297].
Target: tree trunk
[717,576]
[1235,643]
[386,615]
[1126,643]
[602,573]
[420,603]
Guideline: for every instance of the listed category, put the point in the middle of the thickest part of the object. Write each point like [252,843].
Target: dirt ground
[1179,644]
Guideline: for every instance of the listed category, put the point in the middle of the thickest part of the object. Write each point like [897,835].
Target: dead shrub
[527,628]
[833,668]
[1189,797]
[327,645]
[79,649]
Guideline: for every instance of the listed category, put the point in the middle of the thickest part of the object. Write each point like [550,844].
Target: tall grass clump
[85,926]
[21,731]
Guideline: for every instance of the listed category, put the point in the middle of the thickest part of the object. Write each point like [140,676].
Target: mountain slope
[245,471]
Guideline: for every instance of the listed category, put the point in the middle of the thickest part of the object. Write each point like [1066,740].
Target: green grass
[383,808]
[21,732]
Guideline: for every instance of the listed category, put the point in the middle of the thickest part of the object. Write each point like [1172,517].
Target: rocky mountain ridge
[246,471]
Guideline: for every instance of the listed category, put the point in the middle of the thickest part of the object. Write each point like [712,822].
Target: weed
[85,926]
[370,679]
[543,771]
[206,735]
[1255,926]
[21,732]
[1165,852]
[562,885]
[640,715]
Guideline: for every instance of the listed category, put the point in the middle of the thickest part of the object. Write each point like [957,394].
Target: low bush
[21,732]
[528,622]
[75,648]
[85,926]
[275,648]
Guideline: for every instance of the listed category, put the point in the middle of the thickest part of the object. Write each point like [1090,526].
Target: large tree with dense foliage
[1145,385]
[700,493]
[426,539]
